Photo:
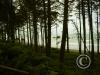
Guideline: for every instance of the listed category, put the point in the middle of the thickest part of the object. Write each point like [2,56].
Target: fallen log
[13,69]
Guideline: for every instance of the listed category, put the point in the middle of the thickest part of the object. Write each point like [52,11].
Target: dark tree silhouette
[84,26]
[45,24]
[80,45]
[49,29]
[35,25]
[91,29]
[64,33]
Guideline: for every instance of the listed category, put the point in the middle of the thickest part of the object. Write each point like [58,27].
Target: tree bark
[91,30]
[30,30]
[84,27]
[49,29]
[64,33]
[45,25]
[24,34]
[10,23]
[80,45]
[27,33]
[35,26]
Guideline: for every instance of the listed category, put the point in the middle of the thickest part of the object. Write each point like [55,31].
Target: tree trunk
[35,26]
[19,34]
[12,28]
[42,36]
[91,30]
[24,34]
[84,27]
[30,30]
[56,37]
[80,45]
[27,33]
[49,29]
[45,26]
[10,23]
[89,40]
[64,33]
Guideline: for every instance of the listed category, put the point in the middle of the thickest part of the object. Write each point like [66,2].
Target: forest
[35,37]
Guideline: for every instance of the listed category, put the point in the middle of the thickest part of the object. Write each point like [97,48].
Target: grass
[36,63]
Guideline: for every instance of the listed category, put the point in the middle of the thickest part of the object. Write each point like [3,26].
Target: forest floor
[16,59]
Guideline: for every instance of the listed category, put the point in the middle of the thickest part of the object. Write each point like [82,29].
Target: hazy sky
[72,29]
